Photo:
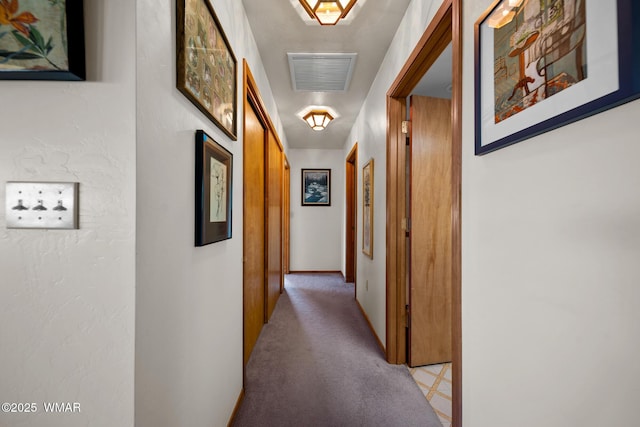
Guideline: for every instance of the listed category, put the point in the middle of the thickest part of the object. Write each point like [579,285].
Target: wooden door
[351,215]
[430,232]
[254,228]
[274,223]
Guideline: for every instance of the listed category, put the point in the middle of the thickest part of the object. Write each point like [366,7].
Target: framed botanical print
[214,167]
[206,65]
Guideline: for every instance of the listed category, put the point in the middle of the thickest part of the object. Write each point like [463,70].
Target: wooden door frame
[351,195]
[444,28]
[286,223]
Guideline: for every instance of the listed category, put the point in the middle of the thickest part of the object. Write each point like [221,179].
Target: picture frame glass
[367,209]
[42,40]
[206,65]
[213,191]
[541,64]
[316,187]
[218,194]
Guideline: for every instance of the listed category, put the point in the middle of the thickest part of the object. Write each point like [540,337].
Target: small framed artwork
[214,167]
[206,66]
[316,187]
[541,64]
[367,209]
[42,40]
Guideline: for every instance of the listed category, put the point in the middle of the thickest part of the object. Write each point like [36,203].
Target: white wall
[189,300]
[67,296]
[316,230]
[369,131]
[551,243]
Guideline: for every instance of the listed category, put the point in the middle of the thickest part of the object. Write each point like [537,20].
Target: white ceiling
[279,29]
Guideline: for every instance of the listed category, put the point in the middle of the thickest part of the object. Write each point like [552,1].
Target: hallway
[317,363]
[128,317]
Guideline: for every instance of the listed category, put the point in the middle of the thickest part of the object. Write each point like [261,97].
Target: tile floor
[435,383]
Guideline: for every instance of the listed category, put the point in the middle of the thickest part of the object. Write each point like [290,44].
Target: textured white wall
[316,230]
[67,297]
[369,131]
[551,243]
[188,299]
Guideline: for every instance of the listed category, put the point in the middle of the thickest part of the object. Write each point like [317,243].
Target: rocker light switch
[42,205]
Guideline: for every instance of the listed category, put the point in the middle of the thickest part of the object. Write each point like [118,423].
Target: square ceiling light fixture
[327,12]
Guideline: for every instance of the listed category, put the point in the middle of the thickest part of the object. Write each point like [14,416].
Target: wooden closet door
[274,223]
[254,229]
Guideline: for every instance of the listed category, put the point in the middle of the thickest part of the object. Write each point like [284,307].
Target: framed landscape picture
[367,209]
[316,187]
[214,167]
[42,40]
[541,64]
[206,65]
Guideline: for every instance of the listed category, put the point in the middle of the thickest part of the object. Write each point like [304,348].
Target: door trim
[286,223]
[444,28]
[351,258]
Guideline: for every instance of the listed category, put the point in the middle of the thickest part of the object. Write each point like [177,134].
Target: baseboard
[316,272]
[236,409]
[373,331]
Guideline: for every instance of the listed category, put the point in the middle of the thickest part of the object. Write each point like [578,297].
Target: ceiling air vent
[321,72]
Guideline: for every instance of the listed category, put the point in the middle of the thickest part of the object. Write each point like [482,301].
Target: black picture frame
[206,68]
[213,191]
[316,187]
[35,49]
[552,112]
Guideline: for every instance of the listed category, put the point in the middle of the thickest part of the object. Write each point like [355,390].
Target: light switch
[42,205]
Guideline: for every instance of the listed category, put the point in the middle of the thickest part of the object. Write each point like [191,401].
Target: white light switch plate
[42,205]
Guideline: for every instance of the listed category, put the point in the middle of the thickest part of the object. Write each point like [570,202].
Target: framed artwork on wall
[206,65]
[316,187]
[214,167]
[542,64]
[42,40]
[367,209]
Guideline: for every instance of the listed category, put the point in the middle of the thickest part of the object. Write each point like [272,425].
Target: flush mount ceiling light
[318,119]
[327,12]
[317,116]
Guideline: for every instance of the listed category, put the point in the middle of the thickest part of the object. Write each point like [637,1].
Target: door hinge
[407,317]
[405,126]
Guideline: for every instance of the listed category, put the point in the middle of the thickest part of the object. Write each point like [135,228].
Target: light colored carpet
[317,363]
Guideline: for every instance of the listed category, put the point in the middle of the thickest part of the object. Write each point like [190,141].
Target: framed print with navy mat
[542,64]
